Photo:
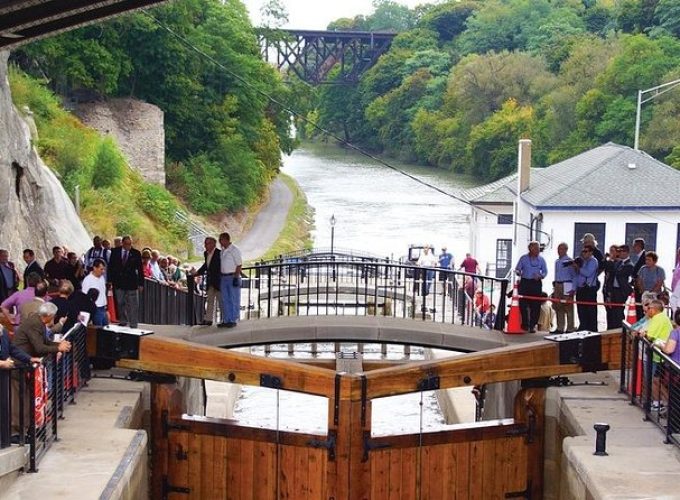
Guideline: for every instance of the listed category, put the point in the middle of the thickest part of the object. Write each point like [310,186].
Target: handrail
[332,287]
[43,391]
[652,380]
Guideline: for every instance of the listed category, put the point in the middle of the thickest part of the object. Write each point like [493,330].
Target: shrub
[109,165]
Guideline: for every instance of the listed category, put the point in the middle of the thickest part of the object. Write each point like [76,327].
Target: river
[378,210]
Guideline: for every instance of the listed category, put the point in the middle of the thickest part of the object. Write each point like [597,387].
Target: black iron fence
[161,304]
[33,397]
[350,287]
[652,380]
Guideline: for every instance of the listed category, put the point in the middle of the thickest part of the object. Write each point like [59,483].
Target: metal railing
[41,392]
[331,287]
[335,253]
[652,380]
[162,304]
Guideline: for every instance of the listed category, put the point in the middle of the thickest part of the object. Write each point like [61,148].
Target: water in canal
[377,209]
[380,211]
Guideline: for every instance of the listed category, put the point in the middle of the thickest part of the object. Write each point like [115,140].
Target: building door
[597,229]
[645,230]
[503,257]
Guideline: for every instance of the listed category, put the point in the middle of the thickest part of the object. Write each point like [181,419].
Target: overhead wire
[350,145]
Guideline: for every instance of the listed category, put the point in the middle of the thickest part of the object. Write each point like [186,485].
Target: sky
[316,14]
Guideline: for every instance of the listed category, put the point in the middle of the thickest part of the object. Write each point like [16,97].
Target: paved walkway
[96,450]
[269,222]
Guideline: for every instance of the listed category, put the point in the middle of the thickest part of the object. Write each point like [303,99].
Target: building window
[597,229]
[504,218]
[646,231]
[503,257]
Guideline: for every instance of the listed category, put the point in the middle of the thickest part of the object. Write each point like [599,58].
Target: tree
[667,16]
[390,16]
[448,20]
[492,146]
[479,85]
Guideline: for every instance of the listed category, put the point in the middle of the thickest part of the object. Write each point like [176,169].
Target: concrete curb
[130,480]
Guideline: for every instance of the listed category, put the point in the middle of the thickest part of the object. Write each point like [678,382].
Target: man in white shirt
[230,285]
[97,280]
[427,259]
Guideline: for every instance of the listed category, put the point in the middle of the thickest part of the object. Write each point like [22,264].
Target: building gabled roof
[610,176]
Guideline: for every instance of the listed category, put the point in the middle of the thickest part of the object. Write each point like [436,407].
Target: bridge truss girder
[312,54]
[22,21]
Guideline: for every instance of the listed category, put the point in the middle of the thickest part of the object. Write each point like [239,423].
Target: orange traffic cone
[514,323]
[111,306]
[631,317]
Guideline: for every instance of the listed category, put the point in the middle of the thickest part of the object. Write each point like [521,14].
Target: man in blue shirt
[563,289]
[586,288]
[531,268]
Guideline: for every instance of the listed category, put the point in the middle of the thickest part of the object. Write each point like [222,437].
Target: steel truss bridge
[311,55]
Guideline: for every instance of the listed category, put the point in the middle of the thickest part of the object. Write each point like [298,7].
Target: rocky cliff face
[35,211]
[138,129]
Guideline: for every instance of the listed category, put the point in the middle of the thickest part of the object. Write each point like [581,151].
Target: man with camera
[586,267]
[531,268]
[563,290]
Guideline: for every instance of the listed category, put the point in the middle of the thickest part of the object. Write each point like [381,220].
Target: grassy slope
[78,155]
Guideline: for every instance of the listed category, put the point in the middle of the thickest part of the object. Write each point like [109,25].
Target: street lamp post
[332,221]
[657,91]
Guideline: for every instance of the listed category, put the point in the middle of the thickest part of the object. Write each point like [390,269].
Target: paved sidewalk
[93,446]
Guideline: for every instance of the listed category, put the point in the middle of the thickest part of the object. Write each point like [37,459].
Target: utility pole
[656,92]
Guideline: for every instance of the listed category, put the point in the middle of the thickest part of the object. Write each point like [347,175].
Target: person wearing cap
[531,268]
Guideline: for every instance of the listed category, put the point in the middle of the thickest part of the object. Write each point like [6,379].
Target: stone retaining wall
[138,129]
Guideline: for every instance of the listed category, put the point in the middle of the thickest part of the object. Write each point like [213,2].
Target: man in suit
[213,275]
[637,257]
[126,275]
[31,335]
[32,266]
[619,274]
[9,278]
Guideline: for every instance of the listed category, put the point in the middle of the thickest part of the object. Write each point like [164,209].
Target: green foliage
[109,165]
[459,89]
[673,159]
[492,146]
[114,199]
[667,16]
[209,112]
[448,20]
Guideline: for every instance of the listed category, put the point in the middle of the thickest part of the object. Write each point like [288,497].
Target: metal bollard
[601,440]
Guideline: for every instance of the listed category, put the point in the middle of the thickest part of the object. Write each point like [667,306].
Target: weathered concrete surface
[138,129]
[93,457]
[364,329]
[36,211]
[639,464]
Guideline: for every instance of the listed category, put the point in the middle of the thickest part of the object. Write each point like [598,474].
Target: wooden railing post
[350,422]
[530,411]
[166,401]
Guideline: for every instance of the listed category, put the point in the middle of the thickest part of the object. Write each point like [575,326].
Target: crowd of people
[622,272]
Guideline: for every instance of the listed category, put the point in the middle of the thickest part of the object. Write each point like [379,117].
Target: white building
[612,191]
